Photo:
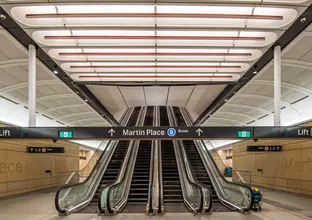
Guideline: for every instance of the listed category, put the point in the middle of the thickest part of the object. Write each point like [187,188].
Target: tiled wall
[22,172]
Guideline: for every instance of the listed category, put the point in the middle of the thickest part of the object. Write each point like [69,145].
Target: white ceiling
[254,102]
[194,98]
[54,98]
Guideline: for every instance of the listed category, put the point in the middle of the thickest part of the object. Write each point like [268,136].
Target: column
[32,85]
[277,86]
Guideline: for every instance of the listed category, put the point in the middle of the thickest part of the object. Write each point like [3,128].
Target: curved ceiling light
[150,54]
[145,15]
[106,38]
[148,38]
[162,77]
[99,67]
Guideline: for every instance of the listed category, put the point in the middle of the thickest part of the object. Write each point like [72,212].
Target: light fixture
[86,100]
[234,92]
[225,100]
[55,71]
[255,72]
[77,92]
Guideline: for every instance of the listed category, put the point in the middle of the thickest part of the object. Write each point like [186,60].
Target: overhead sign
[65,134]
[243,134]
[9,132]
[45,150]
[264,148]
[129,133]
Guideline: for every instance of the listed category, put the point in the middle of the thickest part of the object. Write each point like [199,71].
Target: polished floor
[40,206]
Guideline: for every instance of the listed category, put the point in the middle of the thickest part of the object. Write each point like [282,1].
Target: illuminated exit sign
[243,134]
[65,134]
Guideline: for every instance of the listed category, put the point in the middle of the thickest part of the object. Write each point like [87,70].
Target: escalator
[179,118]
[134,116]
[138,194]
[109,176]
[201,174]
[139,188]
[114,166]
[164,120]
[172,190]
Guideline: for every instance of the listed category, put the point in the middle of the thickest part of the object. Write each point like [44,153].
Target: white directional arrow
[199,131]
[111,131]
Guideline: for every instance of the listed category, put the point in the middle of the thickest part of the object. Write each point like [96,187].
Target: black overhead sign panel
[129,133]
[264,148]
[45,150]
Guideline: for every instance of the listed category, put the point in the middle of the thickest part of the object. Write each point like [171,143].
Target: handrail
[184,172]
[224,199]
[205,190]
[200,145]
[98,152]
[151,207]
[102,162]
[128,165]
[106,191]
[161,206]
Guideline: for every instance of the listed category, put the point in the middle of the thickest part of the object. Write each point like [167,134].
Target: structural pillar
[277,86]
[32,85]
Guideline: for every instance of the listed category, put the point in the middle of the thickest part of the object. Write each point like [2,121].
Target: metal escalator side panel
[77,202]
[219,181]
[211,166]
[202,202]
[108,194]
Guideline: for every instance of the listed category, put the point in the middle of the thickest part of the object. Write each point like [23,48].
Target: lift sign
[65,134]
[243,134]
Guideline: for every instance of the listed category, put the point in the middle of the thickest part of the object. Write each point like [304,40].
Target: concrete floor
[40,206]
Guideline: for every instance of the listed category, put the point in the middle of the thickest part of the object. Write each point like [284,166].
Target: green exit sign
[243,134]
[65,134]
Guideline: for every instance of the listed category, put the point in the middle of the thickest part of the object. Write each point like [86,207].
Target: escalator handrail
[161,207]
[149,205]
[196,182]
[191,182]
[228,182]
[117,183]
[190,122]
[122,173]
[58,208]
[180,163]
[123,120]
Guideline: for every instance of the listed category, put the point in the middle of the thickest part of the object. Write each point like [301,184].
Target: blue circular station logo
[171,132]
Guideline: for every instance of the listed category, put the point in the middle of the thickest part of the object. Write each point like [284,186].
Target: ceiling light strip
[157,66]
[153,76]
[155,37]
[152,53]
[159,15]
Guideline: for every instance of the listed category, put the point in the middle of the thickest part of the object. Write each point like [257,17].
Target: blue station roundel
[171,132]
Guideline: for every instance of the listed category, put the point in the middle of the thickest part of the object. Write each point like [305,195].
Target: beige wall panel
[17,166]
[22,172]
[307,144]
[15,186]
[3,187]
[306,185]
[2,146]
[291,161]
[306,164]
[15,147]
[3,166]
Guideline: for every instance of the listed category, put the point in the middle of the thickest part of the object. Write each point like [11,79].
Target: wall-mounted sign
[45,150]
[264,148]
